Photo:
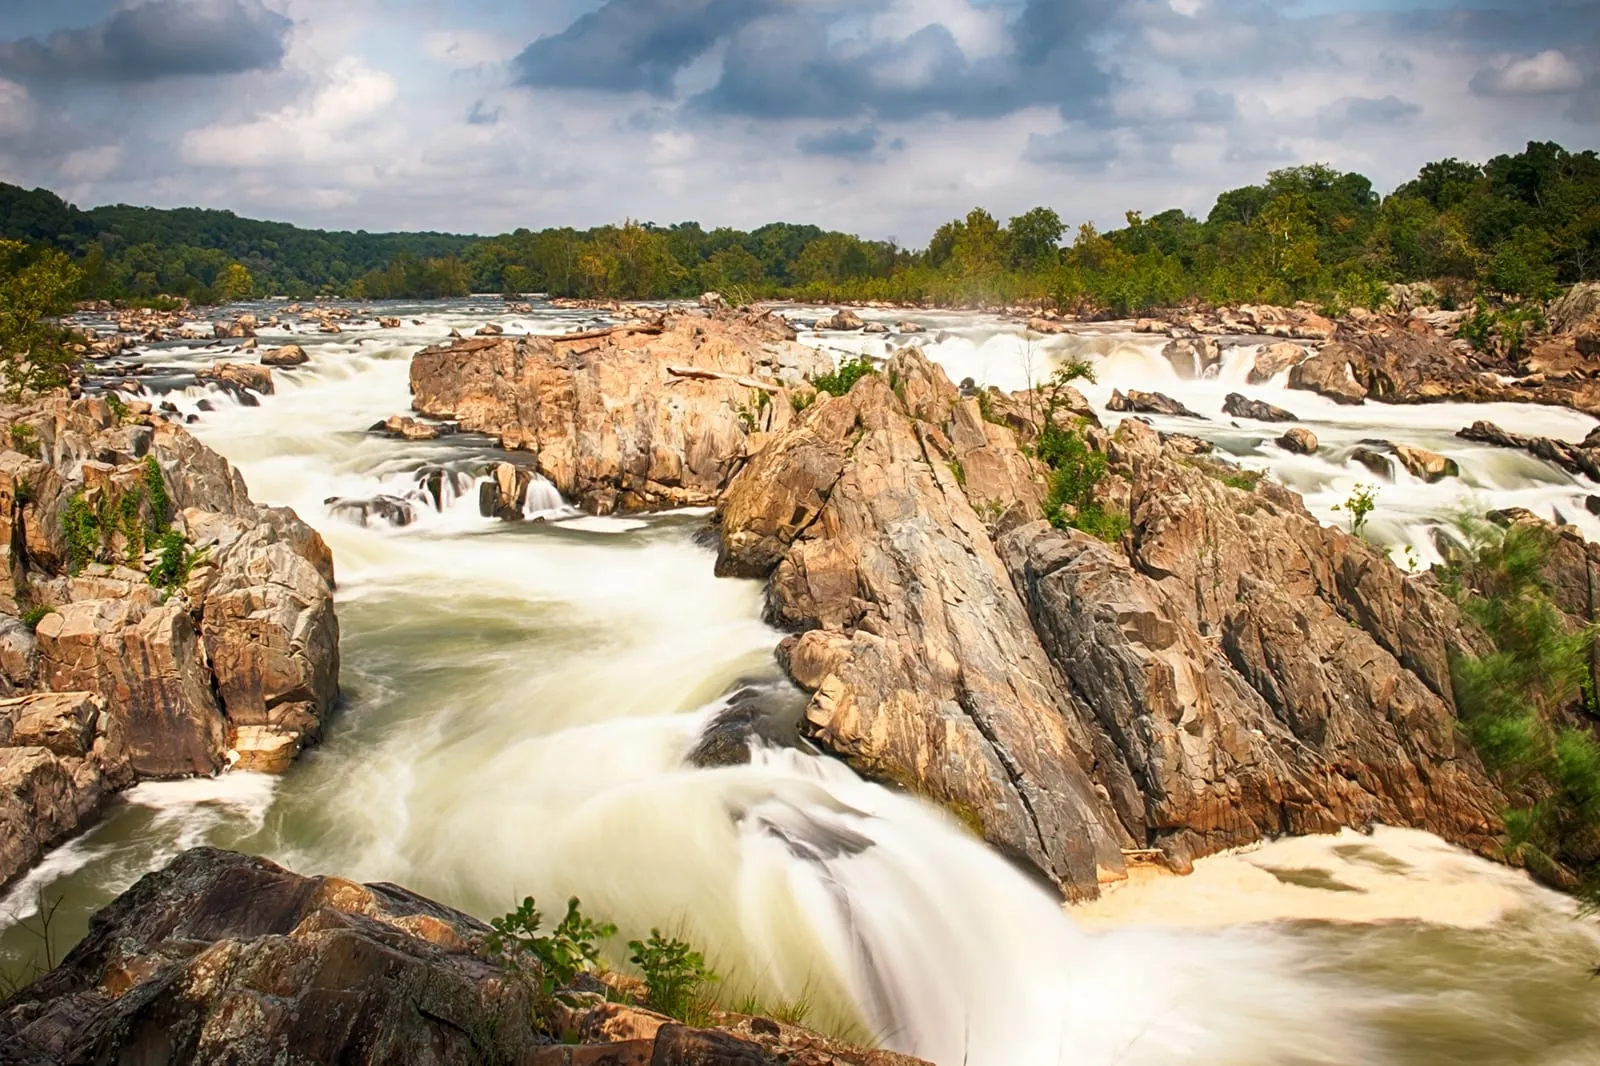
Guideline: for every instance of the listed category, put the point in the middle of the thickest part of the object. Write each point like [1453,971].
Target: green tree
[35,286]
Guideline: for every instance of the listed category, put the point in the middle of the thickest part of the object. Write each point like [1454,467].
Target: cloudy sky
[881,116]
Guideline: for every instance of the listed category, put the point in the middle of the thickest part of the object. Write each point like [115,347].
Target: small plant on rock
[25,439]
[842,380]
[1362,501]
[675,976]
[34,615]
[551,962]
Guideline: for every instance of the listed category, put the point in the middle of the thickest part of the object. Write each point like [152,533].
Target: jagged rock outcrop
[223,958]
[865,514]
[1274,359]
[1329,373]
[1256,672]
[632,418]
[1582,458]
[237,654]
[1241,406]
[1148,403]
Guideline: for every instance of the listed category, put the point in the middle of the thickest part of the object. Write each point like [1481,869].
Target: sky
[881,117]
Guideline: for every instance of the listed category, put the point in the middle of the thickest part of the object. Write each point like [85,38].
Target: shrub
[25,439]
[1076,470]
[81,528]
[1363,499]
[1519,703]
[119,408]
[549,962]
[34,615]
[176,561]
[842,380]
[675,977]
[155,487]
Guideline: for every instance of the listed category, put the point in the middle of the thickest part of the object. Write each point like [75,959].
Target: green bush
[176,561]
[1525,706]
[675,977]
[155,487]
[25,439]
[34,615]
[81,529]
[842,380]
[549,962]
[1076,470]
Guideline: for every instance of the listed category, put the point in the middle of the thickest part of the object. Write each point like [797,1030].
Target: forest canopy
[1517,226]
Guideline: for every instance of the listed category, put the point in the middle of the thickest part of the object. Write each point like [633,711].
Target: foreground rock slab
[222,958]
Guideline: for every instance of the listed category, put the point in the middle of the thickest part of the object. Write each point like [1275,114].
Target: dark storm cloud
[633,45]
[158,39]
[791,61]
[841,142]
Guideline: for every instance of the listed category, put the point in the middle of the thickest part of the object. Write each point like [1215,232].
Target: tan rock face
[150,684]
[1328,373]
[1299,440]
[288,355]
[1274,359]
[928,673]
[630,419]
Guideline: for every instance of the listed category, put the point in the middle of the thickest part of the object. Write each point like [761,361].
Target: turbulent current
[520,700]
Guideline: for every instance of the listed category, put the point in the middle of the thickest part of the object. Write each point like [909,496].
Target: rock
[289,355]
[40,805]
[1048,326]
[634,418]
[223,958]
[845,320]
[403,428]
[875,327]
[1324,704]
[489,330]
[713,300]
[1428,466]
[1375,461]
[387,322]
[389,510]
[931,677]
[1192,357]
[264,749]
[907,327]
[503,495]
[1153,403]
[1274,359]
[1583,459]
[1184,444]
[330,327]
[1299,440]
[1578,309]
[239,376]
[1328,374]
[1241,407]
[61,722]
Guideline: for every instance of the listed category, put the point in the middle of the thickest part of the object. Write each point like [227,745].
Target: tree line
[1519,226]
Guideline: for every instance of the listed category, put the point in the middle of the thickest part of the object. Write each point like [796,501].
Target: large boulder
[1329,374]
[1274,359]
[633,418]
[288,355]
[843,321]
[925,672]
[1256,672]
[1150,403]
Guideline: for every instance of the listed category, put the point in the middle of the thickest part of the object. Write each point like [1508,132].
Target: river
[519,699]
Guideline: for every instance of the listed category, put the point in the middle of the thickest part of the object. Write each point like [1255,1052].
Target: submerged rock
[237,377]
[389,510]
[1582,458]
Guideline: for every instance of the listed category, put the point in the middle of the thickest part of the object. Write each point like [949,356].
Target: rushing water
[519,700]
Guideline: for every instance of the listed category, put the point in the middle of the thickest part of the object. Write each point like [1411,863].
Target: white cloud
[319,129]
[16,109]
[91,164]
[1536,75]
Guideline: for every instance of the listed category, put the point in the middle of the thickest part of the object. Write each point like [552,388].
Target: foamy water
[520,698]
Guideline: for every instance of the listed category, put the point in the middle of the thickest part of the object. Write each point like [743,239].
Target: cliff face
[1229,671]
[220,958]
[234,660]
